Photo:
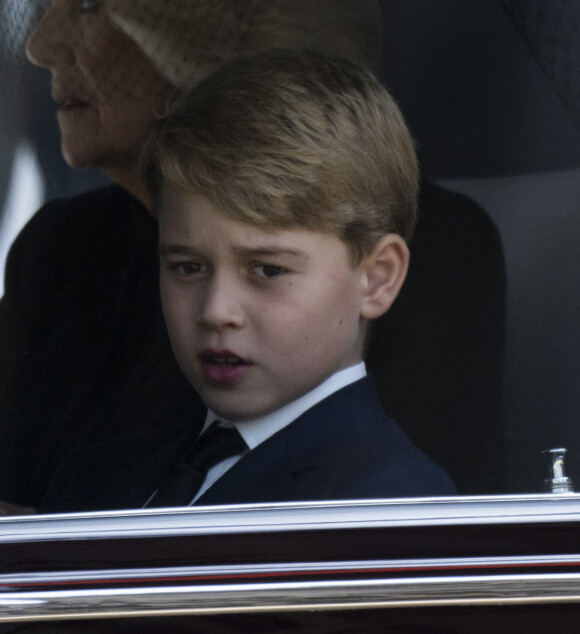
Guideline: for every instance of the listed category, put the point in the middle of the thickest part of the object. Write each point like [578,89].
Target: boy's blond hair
[284,140]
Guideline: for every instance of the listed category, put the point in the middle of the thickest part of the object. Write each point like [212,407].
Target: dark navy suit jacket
[344,447]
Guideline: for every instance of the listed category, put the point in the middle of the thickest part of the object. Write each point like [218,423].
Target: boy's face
[256,318]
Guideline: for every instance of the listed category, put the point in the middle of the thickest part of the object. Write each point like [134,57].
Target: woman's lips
[66,104]
[223,366]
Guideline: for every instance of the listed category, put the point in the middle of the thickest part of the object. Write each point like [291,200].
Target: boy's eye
[269,270]
[186,268]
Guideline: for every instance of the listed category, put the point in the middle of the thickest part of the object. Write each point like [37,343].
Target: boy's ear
[385,269]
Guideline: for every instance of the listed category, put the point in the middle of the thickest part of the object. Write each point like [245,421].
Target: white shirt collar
[256,431]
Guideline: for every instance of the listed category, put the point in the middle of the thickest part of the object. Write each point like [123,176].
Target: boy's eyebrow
[174,249]
[181,249]
[270,251]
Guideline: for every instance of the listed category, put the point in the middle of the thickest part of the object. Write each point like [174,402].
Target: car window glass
[494,119]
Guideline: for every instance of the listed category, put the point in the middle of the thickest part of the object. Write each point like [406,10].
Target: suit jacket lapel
[290,461]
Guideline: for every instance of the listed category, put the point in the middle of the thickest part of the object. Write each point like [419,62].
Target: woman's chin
[79,157]
[72,161]
[81,145]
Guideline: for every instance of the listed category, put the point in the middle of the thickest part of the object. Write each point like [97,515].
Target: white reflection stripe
[293,517]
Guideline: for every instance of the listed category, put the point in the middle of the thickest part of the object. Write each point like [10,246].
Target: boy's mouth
[222,365]
[222,357]
[226,361]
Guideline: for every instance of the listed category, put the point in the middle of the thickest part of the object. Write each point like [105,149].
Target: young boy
[286,189]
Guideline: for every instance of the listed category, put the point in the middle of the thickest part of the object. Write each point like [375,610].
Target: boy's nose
[53,40]
[222,305]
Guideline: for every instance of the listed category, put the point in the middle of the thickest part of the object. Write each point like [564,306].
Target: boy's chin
[239,413]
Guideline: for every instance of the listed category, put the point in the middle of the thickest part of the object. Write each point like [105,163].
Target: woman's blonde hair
[187,40]
[283,140]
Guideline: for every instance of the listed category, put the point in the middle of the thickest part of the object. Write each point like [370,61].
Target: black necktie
[215,444]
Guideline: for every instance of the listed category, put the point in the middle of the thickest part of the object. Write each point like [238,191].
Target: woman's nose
[222,305]
[52,42]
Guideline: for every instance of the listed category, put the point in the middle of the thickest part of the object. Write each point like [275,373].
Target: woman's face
[105,89]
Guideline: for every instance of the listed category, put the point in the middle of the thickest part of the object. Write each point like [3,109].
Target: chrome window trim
[348,584]
[292,516]
[262,597]
[436,565]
